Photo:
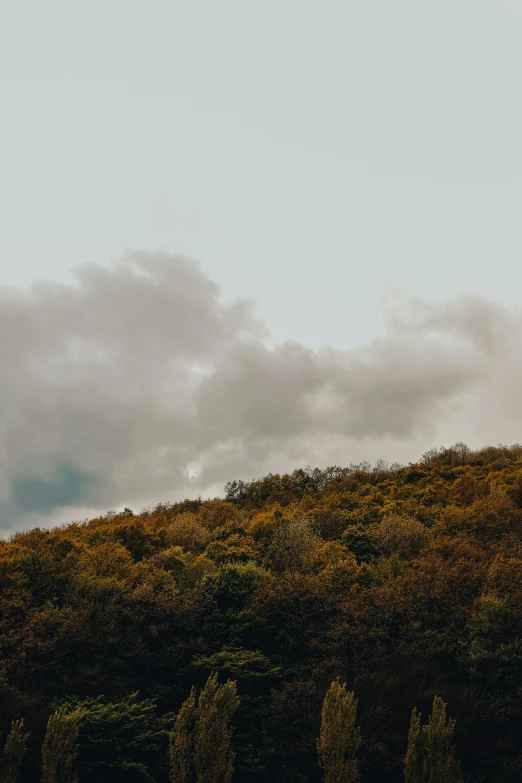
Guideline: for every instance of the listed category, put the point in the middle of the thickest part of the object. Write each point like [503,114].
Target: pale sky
[309,155]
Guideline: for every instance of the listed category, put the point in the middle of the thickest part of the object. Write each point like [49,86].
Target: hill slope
[404,581]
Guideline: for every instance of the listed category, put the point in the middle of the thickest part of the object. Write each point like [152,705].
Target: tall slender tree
[439,750]
[200,741]
[414,754]
[13,753]
[339,739]
[430,757]
[181,741]
[214,757]
[60,747]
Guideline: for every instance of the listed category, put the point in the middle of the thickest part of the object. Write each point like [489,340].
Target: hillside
[404,581]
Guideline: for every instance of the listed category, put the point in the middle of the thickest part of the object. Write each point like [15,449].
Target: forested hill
[404,582]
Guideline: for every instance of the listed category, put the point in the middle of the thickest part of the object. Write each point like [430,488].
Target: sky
[245,237]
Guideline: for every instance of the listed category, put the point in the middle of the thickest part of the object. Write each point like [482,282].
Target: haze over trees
[360,623]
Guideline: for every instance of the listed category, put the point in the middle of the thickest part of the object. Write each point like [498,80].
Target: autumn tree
[430,757]
[339,739]
[186,530]
[14,752]
[398,534]
[60,747]
[410,576]
[294,543]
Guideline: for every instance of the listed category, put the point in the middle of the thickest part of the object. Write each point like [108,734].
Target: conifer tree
[430,757]
[181,741]
[60,747]
[214,758]
[339,738]
[14,752]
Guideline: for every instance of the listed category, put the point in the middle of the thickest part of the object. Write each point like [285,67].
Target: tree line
[403,581]
[200,741]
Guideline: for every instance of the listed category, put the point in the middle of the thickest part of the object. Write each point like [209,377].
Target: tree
[430,757]
[14,752]
[200,738]
[441,765]
[120,739]
[294,543]
[181,741]
[414,754]
[339,739]
[60,747]
[399,534]
[214,758]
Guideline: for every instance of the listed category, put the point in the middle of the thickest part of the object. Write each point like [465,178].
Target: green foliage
[181,741]
[13,753]
[413,763]
[199,741]
[60,747]
[440,762]
[248,666]
[430,757]
[339,739]
[214,758]
[359,540]
[122,739]
[234,584]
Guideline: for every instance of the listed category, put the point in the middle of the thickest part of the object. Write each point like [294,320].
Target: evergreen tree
[60,747]
[13,754]
[430,757]
[181,741]
[339,739]
[121,739]
[214,758]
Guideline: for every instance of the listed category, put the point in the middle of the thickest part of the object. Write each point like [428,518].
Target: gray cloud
[114,387]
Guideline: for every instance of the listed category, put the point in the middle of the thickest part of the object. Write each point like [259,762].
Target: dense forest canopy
[403,581]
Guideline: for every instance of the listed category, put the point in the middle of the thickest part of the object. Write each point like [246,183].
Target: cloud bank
[138,384]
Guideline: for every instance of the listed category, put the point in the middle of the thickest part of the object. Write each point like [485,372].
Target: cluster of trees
[200,741]
[405,582]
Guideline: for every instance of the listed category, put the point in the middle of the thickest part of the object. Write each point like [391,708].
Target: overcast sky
[273,234]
